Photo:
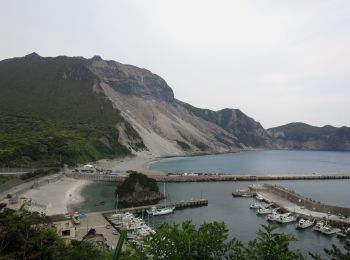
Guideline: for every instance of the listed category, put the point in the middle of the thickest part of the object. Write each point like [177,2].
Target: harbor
[282,206]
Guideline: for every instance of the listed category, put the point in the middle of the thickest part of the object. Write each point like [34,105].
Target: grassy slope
[50,115]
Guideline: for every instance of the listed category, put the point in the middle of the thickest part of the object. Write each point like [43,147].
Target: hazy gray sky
[278,61]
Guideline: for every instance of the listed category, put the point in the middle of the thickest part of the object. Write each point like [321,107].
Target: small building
[87,168]
[64,225]
[97,240]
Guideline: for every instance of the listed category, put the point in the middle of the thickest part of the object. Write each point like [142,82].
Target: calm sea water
[242,221]
[260,162]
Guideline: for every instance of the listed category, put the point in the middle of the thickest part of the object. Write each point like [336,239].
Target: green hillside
[52,112]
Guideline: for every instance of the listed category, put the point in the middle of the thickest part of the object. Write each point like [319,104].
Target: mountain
[56,110]
[302,136]
[53,111]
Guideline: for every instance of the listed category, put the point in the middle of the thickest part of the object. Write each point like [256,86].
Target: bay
[268,162]
[241,221]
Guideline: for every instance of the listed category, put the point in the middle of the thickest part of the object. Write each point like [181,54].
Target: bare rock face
[131,80]
[166,126]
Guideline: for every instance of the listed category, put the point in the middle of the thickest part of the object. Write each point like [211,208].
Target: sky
[277,61]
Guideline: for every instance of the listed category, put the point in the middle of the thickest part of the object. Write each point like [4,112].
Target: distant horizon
[279,62]
[256,119]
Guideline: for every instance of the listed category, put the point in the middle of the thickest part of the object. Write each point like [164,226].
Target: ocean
[241,221]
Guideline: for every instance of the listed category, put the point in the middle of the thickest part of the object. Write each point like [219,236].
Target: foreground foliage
[210,241]
[25,235]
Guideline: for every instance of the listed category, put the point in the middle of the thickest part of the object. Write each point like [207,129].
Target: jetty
[290,201]
[211,177]
[178,205]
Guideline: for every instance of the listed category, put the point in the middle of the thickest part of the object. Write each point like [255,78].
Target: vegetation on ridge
[52,112]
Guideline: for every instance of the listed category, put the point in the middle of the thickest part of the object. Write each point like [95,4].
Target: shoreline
[142,161]
[58,196]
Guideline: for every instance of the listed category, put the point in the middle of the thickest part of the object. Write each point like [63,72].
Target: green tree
[270,245]
[210,241]
[25,235]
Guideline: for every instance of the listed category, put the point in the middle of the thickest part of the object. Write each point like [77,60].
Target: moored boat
[256,205]
[158,211]
[328,230]
[286,218]
[259,197]
[319,225]
[304,223]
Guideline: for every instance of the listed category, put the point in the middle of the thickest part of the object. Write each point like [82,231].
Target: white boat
[343,233]
[256,205]
[161,211]
[274,216]
[259,197]
[318,227]
[328,230]
[304,223]
[286,218]
[264,211]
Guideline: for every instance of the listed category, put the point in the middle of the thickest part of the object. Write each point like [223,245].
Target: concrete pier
[178,205]
[291,201]
[214,177]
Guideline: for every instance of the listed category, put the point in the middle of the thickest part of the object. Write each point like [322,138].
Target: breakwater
[212,177]
[301,203]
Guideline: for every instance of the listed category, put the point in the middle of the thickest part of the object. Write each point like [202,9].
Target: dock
[290,201]
[204,177]
[178,205]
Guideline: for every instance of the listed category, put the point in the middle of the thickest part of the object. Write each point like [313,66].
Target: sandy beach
[140,162]
[58,195]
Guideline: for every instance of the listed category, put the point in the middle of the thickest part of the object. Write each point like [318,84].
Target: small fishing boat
[328,230]
[304,223]
[256,205]
[259,197]
[286,218]
[318,227]
[274,216]
[343,233]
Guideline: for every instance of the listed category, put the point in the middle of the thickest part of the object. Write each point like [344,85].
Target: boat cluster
[265,207]
[136,227]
